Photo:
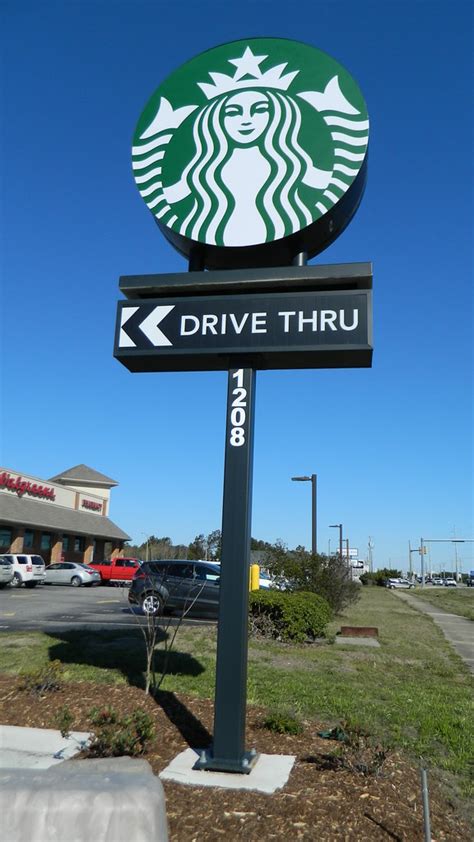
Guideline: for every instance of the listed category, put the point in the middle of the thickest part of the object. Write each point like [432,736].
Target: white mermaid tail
[245,174]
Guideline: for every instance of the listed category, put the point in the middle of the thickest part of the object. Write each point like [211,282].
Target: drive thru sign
[279,330]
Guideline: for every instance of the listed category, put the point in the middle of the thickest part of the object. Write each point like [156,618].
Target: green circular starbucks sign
[253,152]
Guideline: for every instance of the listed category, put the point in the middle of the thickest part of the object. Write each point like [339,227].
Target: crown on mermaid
[248,75]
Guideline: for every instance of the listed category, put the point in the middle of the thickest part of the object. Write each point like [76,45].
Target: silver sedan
[71,573]
[6,572]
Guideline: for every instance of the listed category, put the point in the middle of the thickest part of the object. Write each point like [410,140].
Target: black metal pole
[426,806]
[228,750]
[314,543]
[196,261]
[300,259]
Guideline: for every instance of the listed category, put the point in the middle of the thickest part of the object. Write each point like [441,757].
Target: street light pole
[313,480]
[338,526]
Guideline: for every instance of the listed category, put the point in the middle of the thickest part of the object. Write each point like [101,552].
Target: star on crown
[248,75]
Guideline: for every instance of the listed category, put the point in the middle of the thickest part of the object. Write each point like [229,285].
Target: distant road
[57,608]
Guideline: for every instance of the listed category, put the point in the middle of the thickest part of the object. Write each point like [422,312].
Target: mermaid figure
[246,170]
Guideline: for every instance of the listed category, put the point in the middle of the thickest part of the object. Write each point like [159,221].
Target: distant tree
[132,551]
[256,544]
[159,548]
[214,545]
[180,551]
[154,540]
[197,548]
[300,570]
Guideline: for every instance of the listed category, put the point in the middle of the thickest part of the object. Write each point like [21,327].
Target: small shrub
[103,716]
[115,736]
[46,679]
[288,616]
[283,722]
[357,751]
[65,721]
[300,570]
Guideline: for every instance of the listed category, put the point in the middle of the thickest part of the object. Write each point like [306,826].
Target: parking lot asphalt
[58,607]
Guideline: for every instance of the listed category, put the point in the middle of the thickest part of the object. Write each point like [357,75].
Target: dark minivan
[176,586]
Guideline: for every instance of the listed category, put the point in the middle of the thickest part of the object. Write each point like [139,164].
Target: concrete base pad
[271,772]
[358,641]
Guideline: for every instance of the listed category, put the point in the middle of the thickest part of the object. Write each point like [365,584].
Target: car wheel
[76,581]
[16,582]
[152,604]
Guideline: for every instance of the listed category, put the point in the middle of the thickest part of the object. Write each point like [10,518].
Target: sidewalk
[458,631]
[37,748]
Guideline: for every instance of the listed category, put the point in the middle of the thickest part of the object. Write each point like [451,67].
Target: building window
[65,542]
[45,541]
[79,545]
[5,537]
[28,539]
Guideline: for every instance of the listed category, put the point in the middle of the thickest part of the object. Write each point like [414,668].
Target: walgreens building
[64,518]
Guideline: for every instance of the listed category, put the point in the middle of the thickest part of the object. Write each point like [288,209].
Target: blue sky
[392,445]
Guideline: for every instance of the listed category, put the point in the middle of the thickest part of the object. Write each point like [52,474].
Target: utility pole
[410,551]
[371,564]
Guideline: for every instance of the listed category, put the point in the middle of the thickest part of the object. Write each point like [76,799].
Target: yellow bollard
[254,577]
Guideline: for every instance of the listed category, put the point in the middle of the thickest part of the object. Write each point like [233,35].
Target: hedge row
[297,616]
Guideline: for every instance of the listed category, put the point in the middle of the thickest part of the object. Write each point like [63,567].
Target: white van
[28,570]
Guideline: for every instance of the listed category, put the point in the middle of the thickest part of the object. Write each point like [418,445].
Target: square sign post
[228,750]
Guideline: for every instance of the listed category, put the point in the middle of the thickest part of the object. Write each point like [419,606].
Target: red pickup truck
[117,571]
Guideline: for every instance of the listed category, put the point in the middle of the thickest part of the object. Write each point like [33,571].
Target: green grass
[454,601]
[414,692]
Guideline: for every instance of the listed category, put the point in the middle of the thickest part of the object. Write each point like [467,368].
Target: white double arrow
[149,326]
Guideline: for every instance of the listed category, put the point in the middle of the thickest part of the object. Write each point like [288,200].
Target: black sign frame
[271,340]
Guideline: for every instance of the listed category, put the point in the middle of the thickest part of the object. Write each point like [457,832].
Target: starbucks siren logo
[263,150]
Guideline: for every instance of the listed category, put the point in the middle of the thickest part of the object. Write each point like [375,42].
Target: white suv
[28,570]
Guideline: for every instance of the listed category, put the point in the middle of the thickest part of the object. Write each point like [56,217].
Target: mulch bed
[321,801]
